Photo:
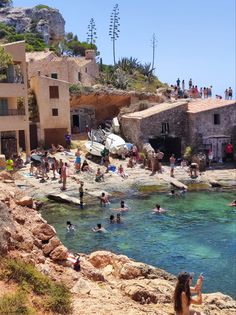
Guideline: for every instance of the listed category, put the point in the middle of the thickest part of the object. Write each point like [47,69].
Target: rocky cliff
[107,283]
[46,21]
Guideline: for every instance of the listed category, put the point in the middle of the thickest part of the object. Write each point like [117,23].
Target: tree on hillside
[114,28]
[5,3]
[92,32]
[154,45]
[5,62]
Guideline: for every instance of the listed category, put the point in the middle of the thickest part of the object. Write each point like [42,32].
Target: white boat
[114,143]
[94,148]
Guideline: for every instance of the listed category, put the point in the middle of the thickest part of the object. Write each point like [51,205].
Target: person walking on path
[172,165]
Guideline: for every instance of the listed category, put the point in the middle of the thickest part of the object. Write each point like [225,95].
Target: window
[54,75]
[53,92]
[55,112]
[86,70]
[165,127]
[216,119]
[79,76]
[3,107]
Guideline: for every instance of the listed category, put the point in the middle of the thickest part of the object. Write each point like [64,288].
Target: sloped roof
[158,108]
[80,61]
[38,55]
[197,106]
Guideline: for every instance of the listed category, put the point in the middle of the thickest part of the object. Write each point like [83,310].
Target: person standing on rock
[183,86]
[182,294]
[172,165]
[64,176]
[160,156]
[81,195]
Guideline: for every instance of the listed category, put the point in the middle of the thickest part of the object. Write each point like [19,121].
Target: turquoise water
[197,233]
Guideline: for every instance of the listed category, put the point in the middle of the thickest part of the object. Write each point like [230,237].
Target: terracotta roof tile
[196,106]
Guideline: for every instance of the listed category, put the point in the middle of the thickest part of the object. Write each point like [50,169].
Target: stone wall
[202,125]
[139,129]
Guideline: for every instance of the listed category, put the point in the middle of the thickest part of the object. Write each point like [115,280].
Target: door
[168,145]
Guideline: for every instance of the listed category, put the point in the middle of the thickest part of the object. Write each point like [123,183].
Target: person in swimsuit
[182,294]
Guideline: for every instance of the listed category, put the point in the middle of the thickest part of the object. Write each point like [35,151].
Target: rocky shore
[107,283]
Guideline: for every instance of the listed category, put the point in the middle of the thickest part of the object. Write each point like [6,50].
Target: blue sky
[195,38]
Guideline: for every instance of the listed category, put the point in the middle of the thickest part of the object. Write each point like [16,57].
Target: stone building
[211,124]
[201,124]
[53,102]
[164,126]
[14,120]
[74,70]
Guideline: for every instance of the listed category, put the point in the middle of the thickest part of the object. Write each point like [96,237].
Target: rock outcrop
[107,283]
[46,21]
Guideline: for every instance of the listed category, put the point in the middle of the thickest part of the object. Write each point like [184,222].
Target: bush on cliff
[56,296]
[15,304]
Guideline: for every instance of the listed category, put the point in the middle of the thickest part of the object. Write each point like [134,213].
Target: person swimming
[158,209]
[122,207]
[112,219]
[70,227]
[233,203]
[118,218]
[99,228]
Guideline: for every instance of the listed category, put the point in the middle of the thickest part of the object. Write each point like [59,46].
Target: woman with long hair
[182,294]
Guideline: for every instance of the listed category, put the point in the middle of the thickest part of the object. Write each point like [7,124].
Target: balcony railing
[12,79]
[12,112]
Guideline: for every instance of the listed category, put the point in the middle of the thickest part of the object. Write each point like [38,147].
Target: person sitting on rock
[77,264]
[121,172]
[130,162]
[182,294]
[99,176]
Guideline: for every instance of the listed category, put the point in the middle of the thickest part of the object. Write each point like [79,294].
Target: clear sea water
[197,233]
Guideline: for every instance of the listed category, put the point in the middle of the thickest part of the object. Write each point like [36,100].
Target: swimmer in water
[158,209]
[118,218]
[112,219]
[99,228]
[122,207]
[232,204]
[70,227]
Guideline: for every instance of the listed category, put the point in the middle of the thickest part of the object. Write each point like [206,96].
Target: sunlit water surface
[197,233]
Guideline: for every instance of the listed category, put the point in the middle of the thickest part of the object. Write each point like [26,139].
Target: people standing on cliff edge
[183,294]
[183,86]
[230,93]
[178,82]
[190,84]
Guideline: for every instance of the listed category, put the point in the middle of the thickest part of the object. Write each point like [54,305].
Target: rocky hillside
[107,283]
[46,21]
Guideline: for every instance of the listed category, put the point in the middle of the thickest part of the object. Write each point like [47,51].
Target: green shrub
[59,300]
[42,6]
[15,304]
[57,296]
[27,274]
